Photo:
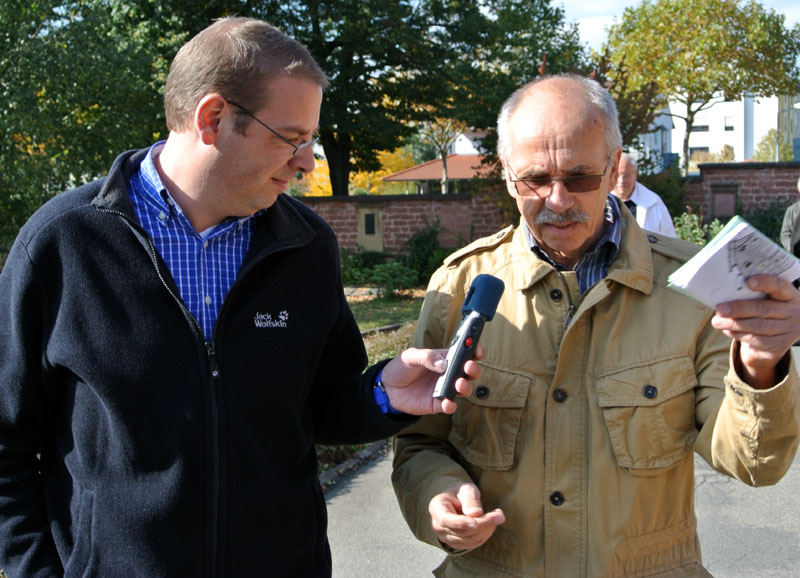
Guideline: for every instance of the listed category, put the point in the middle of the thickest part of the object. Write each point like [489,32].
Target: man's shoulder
[61,207]
[484,245]
[671,248]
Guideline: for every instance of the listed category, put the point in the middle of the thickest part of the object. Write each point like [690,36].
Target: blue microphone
[479,307]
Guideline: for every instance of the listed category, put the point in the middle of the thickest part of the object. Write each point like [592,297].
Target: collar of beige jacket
[633,266]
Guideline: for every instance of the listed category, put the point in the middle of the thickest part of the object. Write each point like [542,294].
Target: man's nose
[303,161]
[559,199]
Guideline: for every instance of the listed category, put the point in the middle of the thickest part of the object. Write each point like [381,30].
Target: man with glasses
[174,339]
[573,455]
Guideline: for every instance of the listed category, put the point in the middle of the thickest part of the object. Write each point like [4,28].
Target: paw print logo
[283,316]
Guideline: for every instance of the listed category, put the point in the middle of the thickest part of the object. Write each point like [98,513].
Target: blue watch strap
[381,398]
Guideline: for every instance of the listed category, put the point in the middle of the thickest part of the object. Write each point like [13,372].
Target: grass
[373,312]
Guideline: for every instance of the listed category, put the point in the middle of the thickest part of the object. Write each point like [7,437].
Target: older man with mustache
[573,455]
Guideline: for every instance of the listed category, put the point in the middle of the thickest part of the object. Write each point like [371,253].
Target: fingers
[766,327]
[470,497]
[432,359]
[458,519]
[760,321]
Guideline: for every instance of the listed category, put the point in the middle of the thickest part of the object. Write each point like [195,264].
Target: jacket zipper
[214,372]
[214,375]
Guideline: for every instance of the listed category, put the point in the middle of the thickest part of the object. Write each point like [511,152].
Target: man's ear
[615,158]
[207,116]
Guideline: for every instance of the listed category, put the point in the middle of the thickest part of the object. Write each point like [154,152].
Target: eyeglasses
[298,148]
[542,187]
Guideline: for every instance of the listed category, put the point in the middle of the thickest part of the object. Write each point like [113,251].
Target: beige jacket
[582,425]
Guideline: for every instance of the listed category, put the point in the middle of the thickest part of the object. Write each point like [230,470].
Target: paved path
[745,532]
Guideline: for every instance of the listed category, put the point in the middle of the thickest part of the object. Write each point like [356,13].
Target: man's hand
[410,377]
[457,518]
[766,328]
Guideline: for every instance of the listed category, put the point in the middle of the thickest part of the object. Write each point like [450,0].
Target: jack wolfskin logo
[264,320]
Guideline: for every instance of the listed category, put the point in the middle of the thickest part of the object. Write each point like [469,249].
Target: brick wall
[462,218]
[757,185]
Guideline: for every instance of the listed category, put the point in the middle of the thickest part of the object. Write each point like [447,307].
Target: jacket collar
[633,266]
[280,226]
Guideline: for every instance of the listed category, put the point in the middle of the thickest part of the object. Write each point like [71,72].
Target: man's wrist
[381,397]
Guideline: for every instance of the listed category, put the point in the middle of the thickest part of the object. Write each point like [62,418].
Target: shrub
[689,226]
[392,277]
[769,220]
[357,265]
[424,254]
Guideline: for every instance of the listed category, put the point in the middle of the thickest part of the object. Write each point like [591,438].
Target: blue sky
[593,16]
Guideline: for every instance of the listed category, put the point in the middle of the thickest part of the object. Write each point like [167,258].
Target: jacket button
[556,498]
[652,238]
[481,391]
[556,294]
[650,391]
[559,395]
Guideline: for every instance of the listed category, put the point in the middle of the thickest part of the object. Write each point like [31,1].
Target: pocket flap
[647,384]
[499,387]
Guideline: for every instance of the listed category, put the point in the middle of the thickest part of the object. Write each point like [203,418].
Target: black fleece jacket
[130,446]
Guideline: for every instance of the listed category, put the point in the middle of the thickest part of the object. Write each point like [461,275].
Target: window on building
[700,128]
[729,123]
[370,227]
[369,223]
[693,150]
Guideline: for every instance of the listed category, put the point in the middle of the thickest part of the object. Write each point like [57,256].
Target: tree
[700,51]
[636,105]
[765,149]
[75,89]
[442,133]
[380,64]
[491,48]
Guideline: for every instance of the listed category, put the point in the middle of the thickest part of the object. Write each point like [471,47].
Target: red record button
[468,342]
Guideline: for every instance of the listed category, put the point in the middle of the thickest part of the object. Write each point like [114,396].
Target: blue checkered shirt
[595,263]
[204,265]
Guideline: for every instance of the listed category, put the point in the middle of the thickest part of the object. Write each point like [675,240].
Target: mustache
[571,215]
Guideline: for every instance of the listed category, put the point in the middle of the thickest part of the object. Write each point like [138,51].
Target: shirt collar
[612,233]
[153,188]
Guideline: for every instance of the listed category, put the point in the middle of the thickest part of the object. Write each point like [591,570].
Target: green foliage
[424,254]
[689,48]
[392,277]
[78,85]
[690,227]
[769,220]
[765,149]
[488,49]
[357,265]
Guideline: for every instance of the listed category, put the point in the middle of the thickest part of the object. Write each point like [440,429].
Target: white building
[740,124]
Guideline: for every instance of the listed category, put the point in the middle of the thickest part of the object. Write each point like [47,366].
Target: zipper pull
[570,312]
[212,359]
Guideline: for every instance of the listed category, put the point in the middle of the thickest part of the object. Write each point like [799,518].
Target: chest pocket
[486,425]
[649,411]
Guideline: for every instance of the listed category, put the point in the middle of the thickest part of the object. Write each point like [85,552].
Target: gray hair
[630,160]
[594,93]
